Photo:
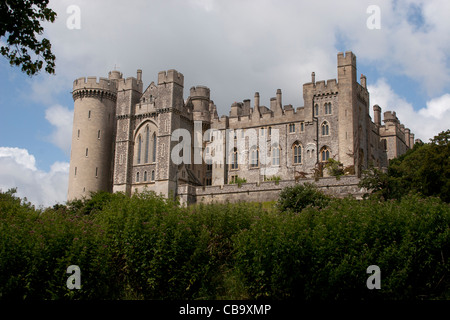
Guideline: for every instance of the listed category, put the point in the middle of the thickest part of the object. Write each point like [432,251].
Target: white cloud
[424,123]
[18,170]
[62,119]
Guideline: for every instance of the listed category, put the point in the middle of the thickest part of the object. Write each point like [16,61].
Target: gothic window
[328,108]
[145,176]
[325,128]
[139,149]
[234,160]
[316,110]
[276,156]
[302,126]
[137,177]
[154,147]
[147,144]
[254,158]
[297,153]
[324,154]
[291,127]
[153,175]
[269,131]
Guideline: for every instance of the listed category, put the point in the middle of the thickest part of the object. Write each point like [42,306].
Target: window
[145,176]
[297,153]
[302,126]
[98,135]
[89,114]
[154,147]
[325,129]
[263,132]
[325,154]
[139,149]
[75,171]
[384,144]
[147,144]
[254,158]
[87,152]
[153,175]
[328,108]
[209,167]
[78,133]
[234,160]
[291,127]
[96,172]
[276,156]
[316,110]
[137,177]
[233,179]
[269,131]
[208,181]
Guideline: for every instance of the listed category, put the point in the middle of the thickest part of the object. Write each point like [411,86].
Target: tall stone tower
[92,136]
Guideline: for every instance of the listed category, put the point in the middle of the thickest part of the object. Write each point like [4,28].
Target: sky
[234,47]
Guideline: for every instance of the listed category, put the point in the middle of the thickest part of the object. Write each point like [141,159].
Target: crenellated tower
[92,136]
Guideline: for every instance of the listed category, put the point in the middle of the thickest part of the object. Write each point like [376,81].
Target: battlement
[171,76]
[130,83]
[390,116]
[200,92]
[347,59]
[94,83]
[329,85]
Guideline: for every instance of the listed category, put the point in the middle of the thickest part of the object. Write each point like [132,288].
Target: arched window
[254,158]
[324,154]
[145,176]
[316,110]
[276,156]
[154,147]
[153,175]
[147,144]
[297,153]
[328,108]
[325,128]
[234,160]
[139,151]
[137,177]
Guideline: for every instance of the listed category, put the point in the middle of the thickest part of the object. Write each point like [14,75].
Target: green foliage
[324,254]
[149,247]
[425,169]
[300,196]
[239,181]
[277,179]
[335,168]
[20,24]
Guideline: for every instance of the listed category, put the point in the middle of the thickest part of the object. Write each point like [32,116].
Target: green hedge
[147,247]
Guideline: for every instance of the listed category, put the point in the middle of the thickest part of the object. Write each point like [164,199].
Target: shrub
[300,196]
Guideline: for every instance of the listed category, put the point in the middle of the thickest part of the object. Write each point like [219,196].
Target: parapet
[130,83]
[390,116]
[171,76]
[93,83]
[345,60]
[200,92]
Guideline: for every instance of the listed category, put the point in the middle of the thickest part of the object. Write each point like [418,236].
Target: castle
[126,139]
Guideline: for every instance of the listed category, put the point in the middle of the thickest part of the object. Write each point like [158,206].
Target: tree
[298,197]
[425,169]
[20,23]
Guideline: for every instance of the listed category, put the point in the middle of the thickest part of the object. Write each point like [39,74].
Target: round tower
[200,97]
[92,147]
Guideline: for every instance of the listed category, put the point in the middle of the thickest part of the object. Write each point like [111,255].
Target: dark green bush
[300,196]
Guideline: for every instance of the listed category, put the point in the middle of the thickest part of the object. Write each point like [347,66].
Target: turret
[92,135]
[377,115]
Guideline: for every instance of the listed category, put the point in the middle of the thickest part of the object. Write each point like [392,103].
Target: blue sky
[235,48]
